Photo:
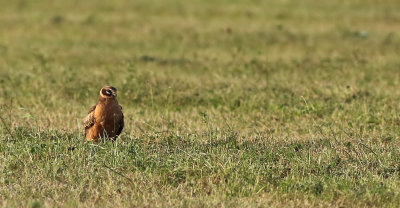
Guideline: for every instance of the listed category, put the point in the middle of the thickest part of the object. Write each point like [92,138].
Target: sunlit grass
[226,103]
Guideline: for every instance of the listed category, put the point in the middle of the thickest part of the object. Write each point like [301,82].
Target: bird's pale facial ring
[108,92]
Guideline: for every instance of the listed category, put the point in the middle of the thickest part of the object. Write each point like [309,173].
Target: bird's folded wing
[121,125]
[90,119]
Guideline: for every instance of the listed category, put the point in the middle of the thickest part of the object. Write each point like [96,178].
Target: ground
[227,103]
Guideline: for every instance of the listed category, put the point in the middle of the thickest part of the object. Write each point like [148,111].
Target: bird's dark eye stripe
[107,91]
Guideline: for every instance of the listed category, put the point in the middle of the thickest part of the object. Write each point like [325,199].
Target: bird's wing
[121,124]
[90,120]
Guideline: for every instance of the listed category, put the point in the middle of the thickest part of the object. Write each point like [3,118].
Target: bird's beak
[114,94]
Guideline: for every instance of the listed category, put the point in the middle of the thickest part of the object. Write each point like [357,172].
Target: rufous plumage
[105,119]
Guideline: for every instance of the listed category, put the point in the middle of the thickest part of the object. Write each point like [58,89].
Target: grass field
[227,103]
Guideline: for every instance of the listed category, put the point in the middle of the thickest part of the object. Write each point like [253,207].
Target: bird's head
[108,92]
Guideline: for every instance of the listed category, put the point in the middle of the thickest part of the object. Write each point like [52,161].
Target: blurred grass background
[284,88]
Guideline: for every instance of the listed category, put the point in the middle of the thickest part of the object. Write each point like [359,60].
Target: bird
[105,119]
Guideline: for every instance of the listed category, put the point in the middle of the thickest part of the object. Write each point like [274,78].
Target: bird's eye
[108,92]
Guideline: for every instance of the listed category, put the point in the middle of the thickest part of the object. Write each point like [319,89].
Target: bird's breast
[107,112]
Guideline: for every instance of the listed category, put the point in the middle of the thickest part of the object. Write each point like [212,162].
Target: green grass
[227,103]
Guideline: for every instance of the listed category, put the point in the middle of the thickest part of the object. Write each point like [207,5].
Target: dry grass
[227,103]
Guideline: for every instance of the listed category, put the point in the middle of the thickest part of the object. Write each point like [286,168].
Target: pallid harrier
[105,119]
